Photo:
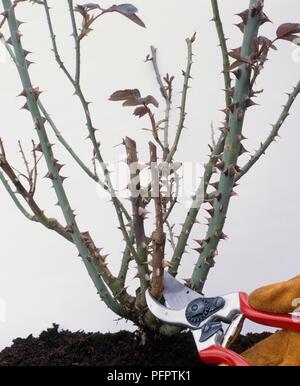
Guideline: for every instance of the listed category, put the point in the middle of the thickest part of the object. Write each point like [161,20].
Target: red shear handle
[284,321]
[219,355]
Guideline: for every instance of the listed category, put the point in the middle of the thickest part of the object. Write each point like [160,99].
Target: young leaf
[293,39]
[91,6]
[129,11]
[287,29]
[127,8]
[140,111]
[123,95]
[133,98]
[263,40]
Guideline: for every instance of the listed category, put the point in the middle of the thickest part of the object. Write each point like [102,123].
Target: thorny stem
[59,135]
[119,207]
[174,199]
[26,163]
[116,202]
[198,200]
[38,214]
[224,49]
[187,76]
[67,146]
[77,42]
[52,224]
[231,153]
[92,266]
[209,169]
[126,259]
[154,127]
[14,198]
[168,101]
[220,199]
[182,108]
[171,235]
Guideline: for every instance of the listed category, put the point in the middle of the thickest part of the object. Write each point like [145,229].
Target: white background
[41,279]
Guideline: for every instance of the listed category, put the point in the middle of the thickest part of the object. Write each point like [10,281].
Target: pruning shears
[214,322]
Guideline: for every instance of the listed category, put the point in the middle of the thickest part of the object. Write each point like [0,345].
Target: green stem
[231,153]
[117,204]
[15,199]
[127,257]
[167,99]
[51,164]
[67,146]
[192,214]
[187,77]
[77,42]
[223,46]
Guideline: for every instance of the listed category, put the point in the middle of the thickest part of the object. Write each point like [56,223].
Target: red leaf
[293,39]
[287,29]
[129,11]
[140,111]
[123,95]
[236,54]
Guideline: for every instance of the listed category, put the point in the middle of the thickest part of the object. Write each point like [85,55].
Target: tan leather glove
[282,348]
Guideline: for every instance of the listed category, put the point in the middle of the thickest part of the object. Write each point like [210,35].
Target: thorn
[198,250]
[23,94]
[229,91]
[240,115]
[26,52]
[36,92]
[243,150]
[188,282]
[224,130]
[215,185]
[25,107]
[220,166]
[18,35]
[241,26]
[226,111]
[242,137]
[210,202]
[211,212]
[28,63]
[69,229]
[250,102]
[49,175]
[237,73]
[38,148]
[218,196]
[232,171]
[19,22]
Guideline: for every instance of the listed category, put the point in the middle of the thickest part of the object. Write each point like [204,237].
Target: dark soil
[65,348]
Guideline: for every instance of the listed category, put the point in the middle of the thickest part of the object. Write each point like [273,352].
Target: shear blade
[165,314]
[176,294]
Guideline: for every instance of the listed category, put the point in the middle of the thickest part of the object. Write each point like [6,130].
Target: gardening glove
[280,298]
[282,348]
